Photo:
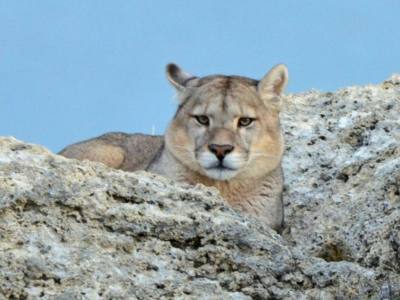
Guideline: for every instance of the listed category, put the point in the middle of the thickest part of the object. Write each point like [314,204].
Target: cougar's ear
[177,77]
[271,86]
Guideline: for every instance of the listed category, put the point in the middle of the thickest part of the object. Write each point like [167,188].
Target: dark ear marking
[177,77]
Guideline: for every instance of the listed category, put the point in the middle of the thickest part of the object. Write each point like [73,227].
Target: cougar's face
[223,129]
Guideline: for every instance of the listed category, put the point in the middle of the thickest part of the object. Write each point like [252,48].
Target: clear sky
[70,70]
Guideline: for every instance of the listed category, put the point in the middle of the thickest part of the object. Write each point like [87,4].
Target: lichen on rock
[79,230]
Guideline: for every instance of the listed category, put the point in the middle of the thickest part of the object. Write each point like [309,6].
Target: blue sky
[70,70]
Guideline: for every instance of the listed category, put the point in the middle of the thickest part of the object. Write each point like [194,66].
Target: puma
[225,133]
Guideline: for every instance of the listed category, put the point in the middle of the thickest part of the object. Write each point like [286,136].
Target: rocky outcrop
[343,177]
[78,230]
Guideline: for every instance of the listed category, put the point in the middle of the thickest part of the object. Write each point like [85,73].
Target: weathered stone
[78,230]
[343,177]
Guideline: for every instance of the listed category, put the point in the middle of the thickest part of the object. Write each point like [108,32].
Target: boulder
[79,230]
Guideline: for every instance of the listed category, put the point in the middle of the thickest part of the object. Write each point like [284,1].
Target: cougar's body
[225,133]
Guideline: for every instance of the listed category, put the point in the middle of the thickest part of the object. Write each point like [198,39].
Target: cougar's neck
[236,191]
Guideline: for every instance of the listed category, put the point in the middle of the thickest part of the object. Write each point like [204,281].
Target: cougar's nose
[220,151]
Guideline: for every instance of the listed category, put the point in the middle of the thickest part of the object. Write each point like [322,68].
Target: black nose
[220,151]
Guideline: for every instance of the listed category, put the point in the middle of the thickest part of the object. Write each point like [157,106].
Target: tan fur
[118,150]
[247,167]
[110,155]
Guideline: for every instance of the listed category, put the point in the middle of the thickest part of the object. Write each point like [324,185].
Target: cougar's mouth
[220,166]
[219,169]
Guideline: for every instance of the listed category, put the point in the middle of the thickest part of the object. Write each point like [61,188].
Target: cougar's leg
[110,155]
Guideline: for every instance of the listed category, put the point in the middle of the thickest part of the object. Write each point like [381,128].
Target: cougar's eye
[244,122]
[203,120]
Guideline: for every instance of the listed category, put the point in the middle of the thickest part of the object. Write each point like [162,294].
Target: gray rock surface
[343,176]
[78,230]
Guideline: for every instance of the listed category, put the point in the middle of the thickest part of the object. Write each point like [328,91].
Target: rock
[79,230]
[342,180]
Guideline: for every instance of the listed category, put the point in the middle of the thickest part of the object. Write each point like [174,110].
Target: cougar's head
[227,126]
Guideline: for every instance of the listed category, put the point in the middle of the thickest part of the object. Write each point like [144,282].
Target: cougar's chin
[219,170]
[220,173]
